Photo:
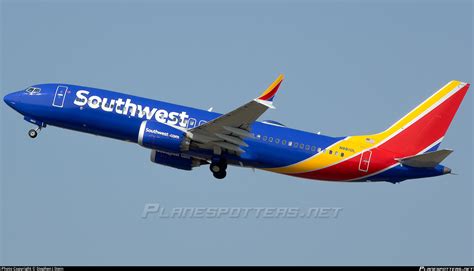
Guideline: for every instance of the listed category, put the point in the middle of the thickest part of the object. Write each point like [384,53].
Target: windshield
[33,90]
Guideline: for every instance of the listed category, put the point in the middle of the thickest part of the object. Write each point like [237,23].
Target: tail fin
[423,128]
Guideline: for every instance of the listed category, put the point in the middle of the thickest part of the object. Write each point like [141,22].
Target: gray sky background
[351,68]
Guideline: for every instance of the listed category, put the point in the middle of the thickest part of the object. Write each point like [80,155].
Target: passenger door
[59,96]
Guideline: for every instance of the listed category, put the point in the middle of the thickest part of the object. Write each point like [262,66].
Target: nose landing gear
[218,168]
[34,132]
[40,124]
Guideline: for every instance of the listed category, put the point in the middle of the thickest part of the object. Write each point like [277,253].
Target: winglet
[270,92]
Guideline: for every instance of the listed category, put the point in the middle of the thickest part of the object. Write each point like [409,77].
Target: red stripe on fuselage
[410,141]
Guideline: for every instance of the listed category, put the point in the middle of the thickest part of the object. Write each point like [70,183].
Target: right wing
[228,131]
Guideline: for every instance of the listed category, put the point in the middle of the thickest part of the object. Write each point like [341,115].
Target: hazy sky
[69,198]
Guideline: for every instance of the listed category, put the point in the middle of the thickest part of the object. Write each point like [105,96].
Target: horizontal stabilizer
[425,160]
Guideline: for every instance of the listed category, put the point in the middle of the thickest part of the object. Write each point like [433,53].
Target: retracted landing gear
[218,168]
[34,132]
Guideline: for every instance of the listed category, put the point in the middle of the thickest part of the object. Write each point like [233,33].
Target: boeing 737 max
[184,137]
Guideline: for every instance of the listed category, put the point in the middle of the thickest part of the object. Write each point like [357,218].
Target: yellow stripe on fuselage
[357,144]
[324,159]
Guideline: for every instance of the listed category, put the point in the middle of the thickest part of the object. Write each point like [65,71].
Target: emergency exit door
[365,161]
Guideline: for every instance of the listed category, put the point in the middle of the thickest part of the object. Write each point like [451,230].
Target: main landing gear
[218,167]
[34,132]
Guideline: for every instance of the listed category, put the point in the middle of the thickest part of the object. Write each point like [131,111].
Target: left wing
[228,130]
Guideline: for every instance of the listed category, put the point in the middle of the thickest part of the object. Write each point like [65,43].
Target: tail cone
[446,170]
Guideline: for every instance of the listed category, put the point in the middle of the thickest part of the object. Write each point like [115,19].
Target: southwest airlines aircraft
[184,137]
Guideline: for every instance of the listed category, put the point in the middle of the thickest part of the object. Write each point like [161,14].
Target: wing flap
[229,146]
[232,139]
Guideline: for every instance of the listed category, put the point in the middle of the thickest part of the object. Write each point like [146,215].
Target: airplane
[185,138]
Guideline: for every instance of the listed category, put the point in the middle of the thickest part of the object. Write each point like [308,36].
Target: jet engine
[159,136]
[175,160]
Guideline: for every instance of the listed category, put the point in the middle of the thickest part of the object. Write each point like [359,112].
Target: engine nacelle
[174,160]
[159,136]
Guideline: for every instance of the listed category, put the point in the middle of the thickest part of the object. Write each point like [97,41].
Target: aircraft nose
[10,98]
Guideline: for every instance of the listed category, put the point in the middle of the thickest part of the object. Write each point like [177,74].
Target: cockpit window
[33,90]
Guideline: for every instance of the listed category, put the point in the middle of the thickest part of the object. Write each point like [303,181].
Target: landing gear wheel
[218,167]
[33,133]
[215,168]
[220,175]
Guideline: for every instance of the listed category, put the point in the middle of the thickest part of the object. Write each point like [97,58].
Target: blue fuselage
[117,115]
